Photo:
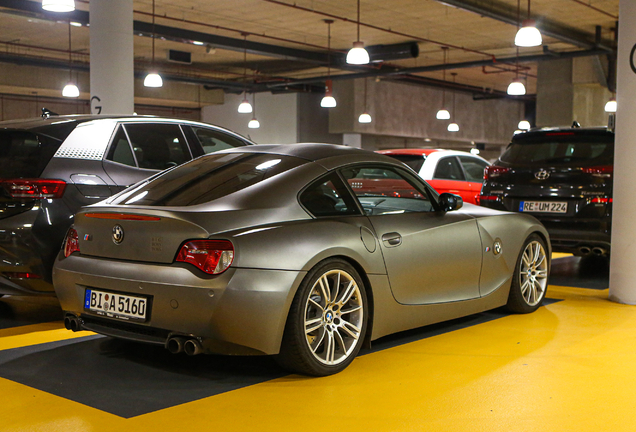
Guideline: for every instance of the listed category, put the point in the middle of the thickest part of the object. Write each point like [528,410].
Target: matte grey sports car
[305,251]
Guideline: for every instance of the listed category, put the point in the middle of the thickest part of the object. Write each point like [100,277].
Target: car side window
[328,196]
[120,150]
[448,169]
[158,146]
[384,190]
[212,140]
[473,167]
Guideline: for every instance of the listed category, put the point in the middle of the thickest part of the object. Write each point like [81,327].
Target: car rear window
[25,153]
[206,179]
[414,161]
[566,150]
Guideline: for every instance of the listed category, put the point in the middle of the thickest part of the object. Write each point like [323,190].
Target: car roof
[314,151]
[409,151]
[562,131]
[83,118]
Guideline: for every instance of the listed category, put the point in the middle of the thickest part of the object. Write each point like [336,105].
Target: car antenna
[576,124]
[46,113]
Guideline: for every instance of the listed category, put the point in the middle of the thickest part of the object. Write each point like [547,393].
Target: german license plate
[115,305]
[543,207]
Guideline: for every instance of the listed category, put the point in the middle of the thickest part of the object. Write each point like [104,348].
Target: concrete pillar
[572,89]
[622,266]
[112,66]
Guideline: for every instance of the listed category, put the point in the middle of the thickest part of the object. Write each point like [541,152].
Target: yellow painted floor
[570,366]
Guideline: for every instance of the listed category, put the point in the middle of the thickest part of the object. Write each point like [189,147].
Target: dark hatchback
[50,167]
[563,177]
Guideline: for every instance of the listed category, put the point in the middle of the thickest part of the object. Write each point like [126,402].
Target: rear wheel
[327,321]
[530,279]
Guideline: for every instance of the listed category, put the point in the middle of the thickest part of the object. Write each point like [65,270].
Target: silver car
[306,251]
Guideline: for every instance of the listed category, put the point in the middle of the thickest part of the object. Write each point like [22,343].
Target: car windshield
[206,179]
[566,150]
[413,161]
[25,153]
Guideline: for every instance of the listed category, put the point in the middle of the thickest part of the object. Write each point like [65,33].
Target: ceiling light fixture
[528,35]
[358,55]
[611,105]
[245,107]
[524,125]
[365,117]
[328,101]
[453,127]
[153,79]
[516,87]
[58,5]
[254,124]
[443,113]
[70,90]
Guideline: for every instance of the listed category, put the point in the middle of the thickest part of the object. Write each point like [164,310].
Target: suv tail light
[599,171]
[601,200]
[71,244]
[494,171]
[34,188]
[211,256]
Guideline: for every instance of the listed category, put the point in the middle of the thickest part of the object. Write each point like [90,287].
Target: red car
[457,172]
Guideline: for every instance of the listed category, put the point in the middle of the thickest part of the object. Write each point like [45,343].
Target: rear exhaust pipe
[585,250]
[598,251]
[192,347]
[73,323]
[175,344]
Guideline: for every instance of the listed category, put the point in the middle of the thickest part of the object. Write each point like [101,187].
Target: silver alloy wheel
[533,274]
[334,315]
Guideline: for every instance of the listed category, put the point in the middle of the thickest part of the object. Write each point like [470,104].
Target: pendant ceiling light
[516,87]
[524,125]
[365,117]
[528,35]
[254,124]
[328,101]
[153,79]
[70,90]
[245,107]
[453,127]
[611,105]
[443,113]
[58,5]
[358,55]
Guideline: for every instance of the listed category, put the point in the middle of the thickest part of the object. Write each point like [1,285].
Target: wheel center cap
[329,317]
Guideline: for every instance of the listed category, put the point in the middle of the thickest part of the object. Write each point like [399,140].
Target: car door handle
[392,239]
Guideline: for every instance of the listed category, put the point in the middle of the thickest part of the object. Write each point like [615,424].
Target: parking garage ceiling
[285,42]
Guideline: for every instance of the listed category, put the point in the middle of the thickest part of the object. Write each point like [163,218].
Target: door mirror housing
[450,202]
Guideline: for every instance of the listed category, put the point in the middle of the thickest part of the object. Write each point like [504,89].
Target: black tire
[530,278]
[308,352]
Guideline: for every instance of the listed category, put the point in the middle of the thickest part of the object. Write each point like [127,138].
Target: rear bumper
[242,311]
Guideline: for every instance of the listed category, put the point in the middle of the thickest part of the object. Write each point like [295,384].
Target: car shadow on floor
[590,272]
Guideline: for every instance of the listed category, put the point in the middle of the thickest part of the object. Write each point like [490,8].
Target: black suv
[50,167]
[563,177]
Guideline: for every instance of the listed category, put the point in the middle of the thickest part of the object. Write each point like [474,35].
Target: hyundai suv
[563,177]
[52,166]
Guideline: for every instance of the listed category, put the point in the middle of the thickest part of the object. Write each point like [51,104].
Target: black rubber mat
[128,379]
[589,272]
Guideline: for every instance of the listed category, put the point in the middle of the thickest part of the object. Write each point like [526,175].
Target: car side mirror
[450,202]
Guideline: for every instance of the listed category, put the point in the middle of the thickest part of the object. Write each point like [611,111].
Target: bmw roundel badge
[118,234]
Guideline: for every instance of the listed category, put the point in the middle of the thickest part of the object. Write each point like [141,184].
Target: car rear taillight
[489,197]
[599,171]
[22,275]
[601,200]
[71,244]
[211,256]
[494,171]
[34,188]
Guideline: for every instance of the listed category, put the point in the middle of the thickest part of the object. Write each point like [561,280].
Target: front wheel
[327,321]
[530,279]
